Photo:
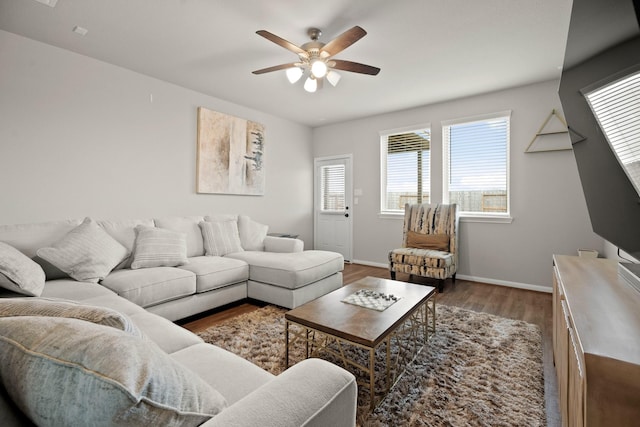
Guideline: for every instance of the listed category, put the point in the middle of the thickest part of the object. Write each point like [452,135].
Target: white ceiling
[428,50]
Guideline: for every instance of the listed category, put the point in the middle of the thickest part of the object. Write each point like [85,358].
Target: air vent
[50,3]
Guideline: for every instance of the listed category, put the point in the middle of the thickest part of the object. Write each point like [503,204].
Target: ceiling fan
[316,58]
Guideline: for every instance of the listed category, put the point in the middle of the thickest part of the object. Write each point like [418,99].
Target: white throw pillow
[189,226]
[159,247]
[252,233]
[19,273]
[220,238]
[124,231]
[86,253]
[65,372]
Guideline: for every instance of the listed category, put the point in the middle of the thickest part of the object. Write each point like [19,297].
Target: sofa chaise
[47,371]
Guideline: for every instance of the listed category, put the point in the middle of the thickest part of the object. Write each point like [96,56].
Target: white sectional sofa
[311,393]
[271,269]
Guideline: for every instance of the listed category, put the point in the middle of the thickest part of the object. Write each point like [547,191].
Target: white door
[332,205]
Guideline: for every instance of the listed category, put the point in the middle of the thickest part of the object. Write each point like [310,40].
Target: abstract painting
[230,154]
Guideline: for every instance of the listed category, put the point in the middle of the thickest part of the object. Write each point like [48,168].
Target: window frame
[383,211]
[598,86]
[341,209]
[468,216]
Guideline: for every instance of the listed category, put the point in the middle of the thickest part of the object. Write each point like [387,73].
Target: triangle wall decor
[551,135]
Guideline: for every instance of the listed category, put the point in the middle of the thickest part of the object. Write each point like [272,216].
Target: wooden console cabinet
[596,343]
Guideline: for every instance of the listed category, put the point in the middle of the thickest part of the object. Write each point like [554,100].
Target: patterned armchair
[430,243]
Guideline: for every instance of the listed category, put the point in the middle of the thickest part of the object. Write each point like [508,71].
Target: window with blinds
[332,183]
[405,171]
[476,165]
[617,108]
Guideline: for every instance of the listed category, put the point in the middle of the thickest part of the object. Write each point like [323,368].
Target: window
[476,164]
[332,188]
[616,105]
[405,168]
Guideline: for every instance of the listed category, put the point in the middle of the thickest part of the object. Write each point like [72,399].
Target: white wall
[547,203]
[80,137]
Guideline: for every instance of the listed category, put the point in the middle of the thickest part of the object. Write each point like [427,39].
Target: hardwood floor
[530,306]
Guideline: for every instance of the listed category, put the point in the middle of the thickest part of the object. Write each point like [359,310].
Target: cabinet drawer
[562,361]
[558,296]
[576,383]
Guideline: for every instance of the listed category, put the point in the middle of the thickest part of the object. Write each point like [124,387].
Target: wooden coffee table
[327,324]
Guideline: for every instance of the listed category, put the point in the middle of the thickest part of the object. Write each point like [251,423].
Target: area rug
[478,369]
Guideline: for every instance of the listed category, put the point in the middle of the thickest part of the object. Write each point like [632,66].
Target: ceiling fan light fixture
[316,59]
[311,84]
[333,78]
[294,74]
[319,68]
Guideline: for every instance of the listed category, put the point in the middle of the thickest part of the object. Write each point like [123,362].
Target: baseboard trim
[370,264]
[506,283]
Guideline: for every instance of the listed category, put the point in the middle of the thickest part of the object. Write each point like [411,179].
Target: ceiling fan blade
[354,67]
[282,42]
[276,68]
[343,41]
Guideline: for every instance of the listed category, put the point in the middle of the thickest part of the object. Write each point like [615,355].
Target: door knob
[346,215]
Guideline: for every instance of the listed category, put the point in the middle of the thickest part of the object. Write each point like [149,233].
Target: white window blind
[333,188]
[617,108]
[405,169]
[476,164]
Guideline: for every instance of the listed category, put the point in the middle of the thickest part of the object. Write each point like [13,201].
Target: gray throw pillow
[64,372]
[55,307]
[19,273]
[159,247]
[87,253]
[220,237]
